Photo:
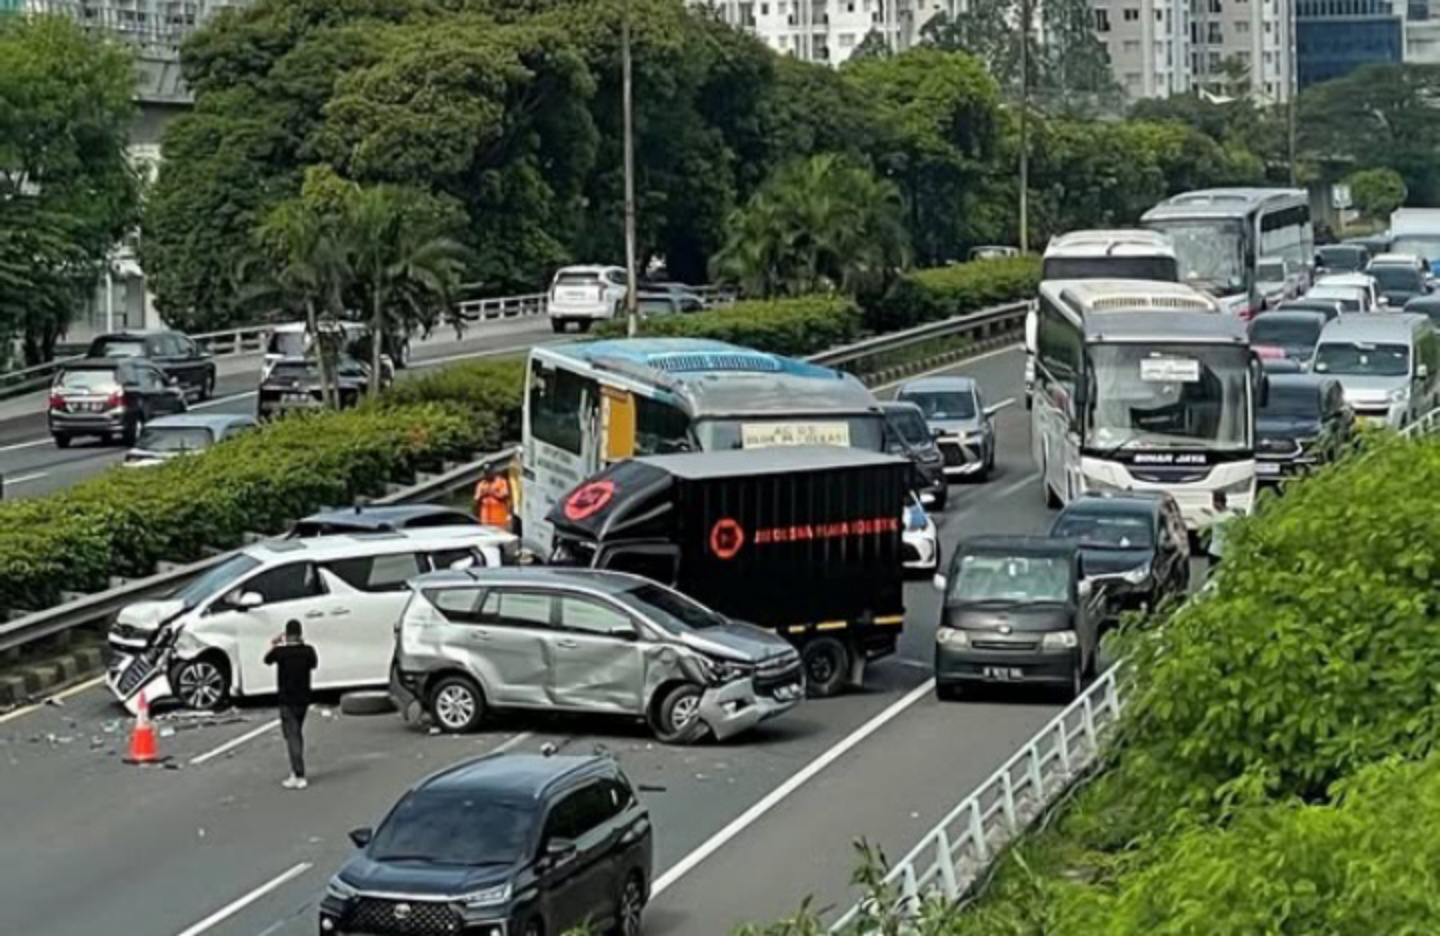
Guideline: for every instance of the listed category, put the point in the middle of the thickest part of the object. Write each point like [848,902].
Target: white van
[1388,365]
[207,643]
[585,294]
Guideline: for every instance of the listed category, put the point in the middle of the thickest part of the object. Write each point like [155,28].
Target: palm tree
[818,225]
[396,262]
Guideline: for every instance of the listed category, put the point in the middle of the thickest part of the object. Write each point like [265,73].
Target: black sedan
[175,354]
[1135,543]
[112,399]
[295,384]
[1303,424]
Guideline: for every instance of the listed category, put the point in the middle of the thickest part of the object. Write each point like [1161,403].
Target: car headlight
[1136,575]
[1060,640]
[1236,487]
[1096,486]
[339,889]
[952,636]
[1399,395]
[490,897]
[727,670]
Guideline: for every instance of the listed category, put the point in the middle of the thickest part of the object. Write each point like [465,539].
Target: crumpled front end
[732,706]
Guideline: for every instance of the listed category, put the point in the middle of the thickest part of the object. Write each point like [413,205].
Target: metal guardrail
[100,606]
[986,322]
[952,855]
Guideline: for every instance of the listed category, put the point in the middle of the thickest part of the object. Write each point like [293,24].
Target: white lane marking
[514,742]
[1017,485]
[73,690]
[952,366]
[717,841]
[233,743]
[229,910]
[25,479]
[33,443]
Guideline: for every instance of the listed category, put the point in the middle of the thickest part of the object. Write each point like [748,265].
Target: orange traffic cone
[143,749]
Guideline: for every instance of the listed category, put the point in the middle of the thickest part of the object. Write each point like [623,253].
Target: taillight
[57,401]
[115,400]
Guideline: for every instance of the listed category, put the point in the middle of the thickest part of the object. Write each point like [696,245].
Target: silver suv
[582,640]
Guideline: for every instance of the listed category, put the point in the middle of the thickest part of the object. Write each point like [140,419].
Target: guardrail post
[947,865]
[1088,711]
[1035,781]
[1064,740]
[1007,793]
[977,832]
[909,890]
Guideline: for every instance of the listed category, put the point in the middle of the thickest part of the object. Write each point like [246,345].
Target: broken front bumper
[144,675]
[735,707]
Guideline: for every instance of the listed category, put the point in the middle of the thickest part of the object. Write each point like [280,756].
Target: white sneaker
[300,784]
[292,783]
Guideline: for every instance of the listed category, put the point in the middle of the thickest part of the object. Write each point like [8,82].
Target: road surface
[31,464]
[744,830]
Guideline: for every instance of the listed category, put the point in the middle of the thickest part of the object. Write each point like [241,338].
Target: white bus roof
[1224,203]
[1107,295]
[1110,243]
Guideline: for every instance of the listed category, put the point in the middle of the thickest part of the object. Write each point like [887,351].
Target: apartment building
[1149,44]
[1244,47]
[829,31]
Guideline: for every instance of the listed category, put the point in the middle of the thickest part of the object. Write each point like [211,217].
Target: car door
[369,594]
[599,658]
[292,591]
[153,393]
[578,882]
[510,646]
[192,365]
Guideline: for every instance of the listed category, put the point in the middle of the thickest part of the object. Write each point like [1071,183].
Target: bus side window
[660,428]
[555,407]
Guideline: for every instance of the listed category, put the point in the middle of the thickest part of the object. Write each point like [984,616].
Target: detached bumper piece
[961,459]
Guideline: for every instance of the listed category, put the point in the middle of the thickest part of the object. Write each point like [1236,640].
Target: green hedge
[794,327]
[491,388]
[930,295]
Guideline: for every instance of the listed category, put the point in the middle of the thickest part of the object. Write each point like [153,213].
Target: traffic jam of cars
[698,538]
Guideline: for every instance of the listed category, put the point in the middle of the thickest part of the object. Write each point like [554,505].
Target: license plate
[787,692]
[1002,673]
[1266,468]
[297,398]
[90,407]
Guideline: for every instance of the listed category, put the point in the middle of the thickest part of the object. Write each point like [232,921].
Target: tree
[873,46]
[67,191]
[1376,193]
[818,225]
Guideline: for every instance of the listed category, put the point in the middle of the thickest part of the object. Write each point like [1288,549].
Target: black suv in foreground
[175,354]
[1132,541]
[1303,425]
[501,845]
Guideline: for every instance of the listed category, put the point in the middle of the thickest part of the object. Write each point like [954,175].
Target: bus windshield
[862,431]
[1157,269]
[1182,396]
[1210,251]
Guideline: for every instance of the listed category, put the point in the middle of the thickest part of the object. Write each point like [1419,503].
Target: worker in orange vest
[493,500]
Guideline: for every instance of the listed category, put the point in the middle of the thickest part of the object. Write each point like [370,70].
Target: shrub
[491,388]
[794,327]
[126,520]
[930,295]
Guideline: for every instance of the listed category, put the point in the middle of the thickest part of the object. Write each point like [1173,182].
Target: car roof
[1289,315]
[101,363]
[775,460]
[1301,381]
[201,421]
[1347,246]
[950,384]
[1277,366]
[1018,545]
[1423,302]
[1375,326]
[1146,502]
[517,776]
[125,333]
[588,268]
[1396,259]
[380,516]
[1360,279]
[350,545]
[600,580]
[1299,305]
[901,406]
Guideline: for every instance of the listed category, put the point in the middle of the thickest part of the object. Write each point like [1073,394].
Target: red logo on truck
[589,500]
[726,538]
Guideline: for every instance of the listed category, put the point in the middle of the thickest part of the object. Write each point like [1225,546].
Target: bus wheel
[827,666]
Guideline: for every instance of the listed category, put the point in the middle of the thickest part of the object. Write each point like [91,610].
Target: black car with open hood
[1016,609]
[805,540]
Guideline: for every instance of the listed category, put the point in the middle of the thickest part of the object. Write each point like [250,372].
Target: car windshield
[288,344]
[118,347]
[1155,269]
[1011,579]
[463,828]
[1292,403]
[1209,252]
[216,580]
[1396,278]
[1342,258]
[1145,396]
[1112,530]
[909,425]
[1419,245]
[861,432]
[1284,331]
[175,439]
[577,279]
[89,381]
[1361,359]
[672,610]
[942,404]
[1349,299]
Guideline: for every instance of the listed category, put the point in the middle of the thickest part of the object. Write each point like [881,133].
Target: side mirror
[939,582]
[361,837]
[624,632]
[559,851]
[461,564]
[249,601]
[1422,371]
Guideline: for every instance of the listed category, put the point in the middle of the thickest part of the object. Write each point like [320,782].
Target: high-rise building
[1149,44]
[1334,37]
[1244,48]
[161,23]
[829,31]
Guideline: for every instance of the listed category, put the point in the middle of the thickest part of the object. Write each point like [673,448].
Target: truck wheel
[677,717]
[942,497]
[827,666]
[558,325]
[585,325]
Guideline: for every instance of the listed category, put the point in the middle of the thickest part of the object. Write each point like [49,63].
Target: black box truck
[804,540]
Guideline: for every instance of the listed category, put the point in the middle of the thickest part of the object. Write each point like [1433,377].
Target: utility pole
[632,297]
[1292,79]
[1024,126]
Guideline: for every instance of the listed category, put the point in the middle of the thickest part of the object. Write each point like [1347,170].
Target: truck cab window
[556,401]
[660,428]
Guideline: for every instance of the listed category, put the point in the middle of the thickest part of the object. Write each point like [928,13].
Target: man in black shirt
[294,661]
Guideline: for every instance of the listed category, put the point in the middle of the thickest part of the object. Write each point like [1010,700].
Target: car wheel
[402,360]
[558,326]
[202,684]
[585,324]
[827,666]
[457,705]
[947,692]
[677,718]
[132,431]
[630,907]
[62,441]
[942,497]
[1077,678]
[535,927]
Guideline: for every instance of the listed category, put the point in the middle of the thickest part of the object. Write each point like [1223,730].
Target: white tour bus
[592,403]
[1130,254]
[1221,235]
[1143,386]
